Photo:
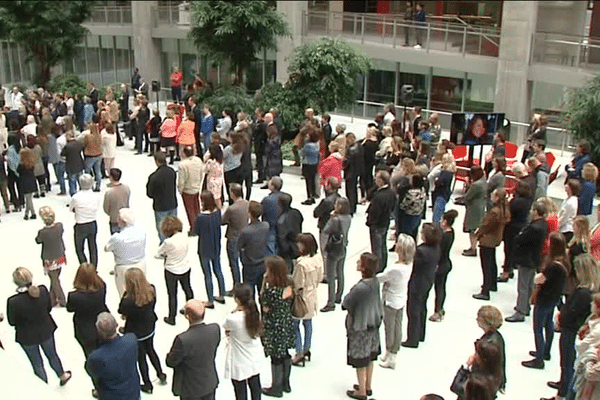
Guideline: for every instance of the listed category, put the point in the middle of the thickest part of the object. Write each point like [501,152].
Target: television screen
[477,128]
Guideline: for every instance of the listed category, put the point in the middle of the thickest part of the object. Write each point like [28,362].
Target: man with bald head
[192,356]
[113,365]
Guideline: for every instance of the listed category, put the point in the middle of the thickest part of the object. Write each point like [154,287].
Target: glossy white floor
[430,368]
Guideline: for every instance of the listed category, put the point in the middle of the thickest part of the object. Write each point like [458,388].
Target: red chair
[459,152]
[510,153]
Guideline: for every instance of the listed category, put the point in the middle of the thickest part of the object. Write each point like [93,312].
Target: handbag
[299,307]
[335,241]
[459,383]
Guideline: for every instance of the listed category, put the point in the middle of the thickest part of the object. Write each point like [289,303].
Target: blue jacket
[114,365]
[586,198]
[88,113]
[420,16]
[208,124]
[310,153]
[271,209]
[578,162]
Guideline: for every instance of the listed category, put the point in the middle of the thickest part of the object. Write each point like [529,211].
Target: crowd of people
[276,266]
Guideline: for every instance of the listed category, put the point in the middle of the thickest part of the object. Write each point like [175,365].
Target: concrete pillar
[337,21]
[293,11]
[146,50]
[519,20]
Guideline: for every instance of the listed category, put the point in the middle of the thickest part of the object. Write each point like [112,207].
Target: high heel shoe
[299,360]
[146,389]
[307,355]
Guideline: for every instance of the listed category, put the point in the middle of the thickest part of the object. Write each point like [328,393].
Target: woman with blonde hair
[53,253]
[551,219]
[29,312]
[572,316]
[443,187]
[586,365]
[27,181]
[137,306]
[579,244]
[589,176]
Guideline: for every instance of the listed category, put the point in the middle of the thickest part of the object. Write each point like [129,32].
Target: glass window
[79,61]
[415,75]
[108,65]
[169,59]
[480,92]
[446,90]
[381,82]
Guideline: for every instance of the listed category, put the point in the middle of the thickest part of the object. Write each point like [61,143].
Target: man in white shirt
[16,99]
[85,205]
[128,246]
[30,128]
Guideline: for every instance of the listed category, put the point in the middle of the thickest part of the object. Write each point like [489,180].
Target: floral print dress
[214,179]
[279,333]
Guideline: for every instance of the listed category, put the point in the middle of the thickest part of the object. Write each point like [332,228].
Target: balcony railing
[107,15]
[565,50]
[173,15]
[440,34]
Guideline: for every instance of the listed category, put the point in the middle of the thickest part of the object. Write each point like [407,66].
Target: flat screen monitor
[477,128]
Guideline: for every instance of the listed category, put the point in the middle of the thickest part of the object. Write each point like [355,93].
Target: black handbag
[459,383]
[335,241]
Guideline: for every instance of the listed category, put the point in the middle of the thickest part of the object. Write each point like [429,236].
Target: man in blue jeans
[236,218]
[72,152]
[161,188]
[252,245]
[271,211]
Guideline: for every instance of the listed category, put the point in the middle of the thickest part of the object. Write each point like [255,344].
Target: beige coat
[308,273]
[190,175]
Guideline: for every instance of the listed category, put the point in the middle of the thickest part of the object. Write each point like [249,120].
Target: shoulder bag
[299,307]
[459,383]
[335,241]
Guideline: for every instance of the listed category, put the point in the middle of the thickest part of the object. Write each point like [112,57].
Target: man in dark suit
[252,245]
[289,226]
[93,95]
[161,188]
[527,256]
[113,365]
[271,211]
[323,212]
[378,216]
[353,167]
[192,356]
[259,138]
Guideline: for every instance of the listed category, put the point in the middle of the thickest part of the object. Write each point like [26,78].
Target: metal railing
[173,15]
[567,50]
[110,15]
[439,34]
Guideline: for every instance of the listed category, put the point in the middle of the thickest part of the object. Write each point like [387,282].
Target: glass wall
[480,92]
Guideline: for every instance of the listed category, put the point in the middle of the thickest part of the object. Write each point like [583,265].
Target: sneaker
[417,46]
[516,317]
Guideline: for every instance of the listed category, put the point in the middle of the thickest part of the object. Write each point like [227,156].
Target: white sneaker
[384,357]
[417,46]
[390,362]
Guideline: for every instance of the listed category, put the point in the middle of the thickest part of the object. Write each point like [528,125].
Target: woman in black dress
[444,265]
[365,314]
[29,312]
[86,302]
[137,306]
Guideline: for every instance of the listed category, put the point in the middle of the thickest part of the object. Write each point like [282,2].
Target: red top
[176,79]
[595,243]
[331,166]
[177,121]
[185,133]
[552,222]
[168,129]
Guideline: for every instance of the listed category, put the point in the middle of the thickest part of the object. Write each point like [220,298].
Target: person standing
[475,200]
[444,265]
[309,154]
[353,167]
[253,248]
[208,229]
[85,205]
[207,126]
[27,180]
[273,161]
[113,364]
[419,25]
[243,328]
[176,79]
[408,20]
[394,294]
[128,247]
[528,258]
[116,197]
[93,94]
[185,134]
[192,356]
[323,212]
[214,173]
[259,139]
[189,184]
[137,306]
[53,253]
[306,276]
[378,216]
[29,312]
[109,146]
[289,226]
[174,252]
[276,303]
[568,209]
[161,189]
[365,313]
[271,211]
[86,302]
[72,152]
[92,151]
[236,218]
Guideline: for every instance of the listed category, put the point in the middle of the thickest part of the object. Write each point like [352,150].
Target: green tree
[582,116]
[323,73]
[236,30]
[48,30]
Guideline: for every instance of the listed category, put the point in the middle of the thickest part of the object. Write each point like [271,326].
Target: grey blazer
[497,181]
[475,200]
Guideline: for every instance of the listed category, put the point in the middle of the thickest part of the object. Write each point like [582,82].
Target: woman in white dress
[109,146]
[244,354]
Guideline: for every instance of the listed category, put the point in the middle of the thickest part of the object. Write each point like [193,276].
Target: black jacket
[528,244]
[289,225]
[27,179]
[140,320]
[161,188]
[86,307]
[259,137]
[323,210]
[192,357]
[31,317]
[354,162]
[550,291]
[381,206]
[576,310]
[423,272]
[73,157]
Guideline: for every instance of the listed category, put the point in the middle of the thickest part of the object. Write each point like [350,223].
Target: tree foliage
[48,30]
[289,107]
[323,73]
[582,116]
[236,30]
[234,98]
[69,83]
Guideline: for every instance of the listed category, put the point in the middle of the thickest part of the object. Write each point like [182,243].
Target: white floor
[429,369]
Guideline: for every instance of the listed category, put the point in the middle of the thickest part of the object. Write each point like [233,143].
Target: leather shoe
[328,308]
[369,391]
[481,296]
[168,321]
[553,385]
[410,345]
[533,364]
[533,353]
[353,394]
[516,317]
